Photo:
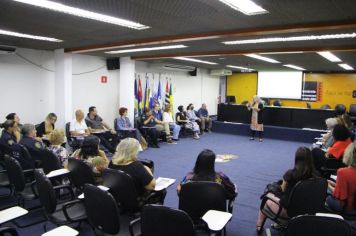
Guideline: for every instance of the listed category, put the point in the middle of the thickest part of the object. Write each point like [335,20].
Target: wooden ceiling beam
[294,28]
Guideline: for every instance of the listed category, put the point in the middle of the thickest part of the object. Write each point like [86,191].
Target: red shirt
[338,148]
[346,185]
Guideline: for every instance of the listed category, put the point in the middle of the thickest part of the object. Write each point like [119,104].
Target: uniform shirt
[203,112]
[96,123]
[138,173]
[79,127]
[7,138]
[151,123]
[32,145]
[157,115]
[346,186]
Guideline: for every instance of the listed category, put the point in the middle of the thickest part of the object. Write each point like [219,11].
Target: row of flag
[149,97]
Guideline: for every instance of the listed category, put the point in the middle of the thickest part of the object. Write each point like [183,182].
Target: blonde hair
[48,124]
[349,157]
[56,137]
[126,151]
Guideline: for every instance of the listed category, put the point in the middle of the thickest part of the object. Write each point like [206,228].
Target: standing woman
[256,118]
[47,126]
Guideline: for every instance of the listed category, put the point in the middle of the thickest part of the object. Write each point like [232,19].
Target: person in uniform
[16,118]
[33,144]
[8,136]
[102,130]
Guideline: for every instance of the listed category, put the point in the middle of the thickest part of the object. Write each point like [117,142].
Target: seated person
[160,124]
[125,159]
[167,118]
[16,119]
[192,116]
[328,139]
[99,128]
[78,128]
[56,139]
[149,123]
[90,153]
[9,135]
[30,140]
[303,169]
[182,119]
[342,139]
[47,126]
[206,121]
[343,191]
[204,170]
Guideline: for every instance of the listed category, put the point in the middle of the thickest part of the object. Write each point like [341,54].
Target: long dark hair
[303,164]
[204,169]
[341,133]
[90,147]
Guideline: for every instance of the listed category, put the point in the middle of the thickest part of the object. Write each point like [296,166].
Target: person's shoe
[259,229]
[261,140]
[196,136]
[171,142]
[175,140]
[252,138]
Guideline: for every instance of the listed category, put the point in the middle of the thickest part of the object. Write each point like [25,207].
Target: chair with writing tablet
[102,210]
[80,173]
[58,213]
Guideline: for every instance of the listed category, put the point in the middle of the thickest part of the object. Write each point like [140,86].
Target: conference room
[146,94]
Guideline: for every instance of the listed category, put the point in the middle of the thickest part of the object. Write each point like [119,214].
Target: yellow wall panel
[242,85]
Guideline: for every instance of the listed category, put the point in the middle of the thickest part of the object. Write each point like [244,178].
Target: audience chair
[71,142]
[124,191]
[311,225]
[157,220]
[23,156]
[80,173]
[23,191]
[325,107]
[59,214]
[102,211]
[277,103]
[306,197]
[352,113]
[8,231]
[49,161]
[340,109]
[196,198]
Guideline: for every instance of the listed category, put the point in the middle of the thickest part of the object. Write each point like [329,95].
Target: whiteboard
[287,85]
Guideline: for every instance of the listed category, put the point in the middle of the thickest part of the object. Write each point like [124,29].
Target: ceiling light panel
[247,7]
[262,58]
[346,66]
[195,60]
[240,67]
[291,39]
[294,67]
[58,7]
[29,36]
[328,55]
[147,49]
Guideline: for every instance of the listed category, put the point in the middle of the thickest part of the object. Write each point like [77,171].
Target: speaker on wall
[113,63]
[193,73]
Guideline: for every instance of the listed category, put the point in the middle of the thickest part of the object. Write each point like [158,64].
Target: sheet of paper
[163,183]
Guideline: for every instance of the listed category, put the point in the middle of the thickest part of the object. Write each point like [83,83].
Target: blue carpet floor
[257,165]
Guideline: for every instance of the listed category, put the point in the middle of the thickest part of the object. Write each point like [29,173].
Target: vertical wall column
[127,85]
[63,87]
[222,89]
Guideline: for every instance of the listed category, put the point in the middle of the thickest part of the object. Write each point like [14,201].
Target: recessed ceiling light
[28,36]
[346,66]
[294,67]
[262,58]
[328,55]
[239,67]
[294,38]
[247,7]
[195,60]
[83,13]
[147,49]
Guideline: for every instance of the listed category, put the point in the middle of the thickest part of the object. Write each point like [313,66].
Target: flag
[136,98]
[139,96]
[147,96]
[171,98]
[158,94]
[167,100]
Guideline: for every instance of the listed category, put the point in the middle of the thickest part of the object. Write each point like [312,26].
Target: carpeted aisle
[257,165]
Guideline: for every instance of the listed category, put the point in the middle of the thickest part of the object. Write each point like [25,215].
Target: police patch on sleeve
[10,142]
[38,145]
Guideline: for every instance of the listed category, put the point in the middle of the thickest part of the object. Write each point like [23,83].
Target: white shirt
[167,118]
[78,127]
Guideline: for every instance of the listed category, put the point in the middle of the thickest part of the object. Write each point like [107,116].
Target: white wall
[88,89]
[25,88]
[199,89]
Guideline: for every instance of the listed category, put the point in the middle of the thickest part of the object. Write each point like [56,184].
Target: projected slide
[286,85]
